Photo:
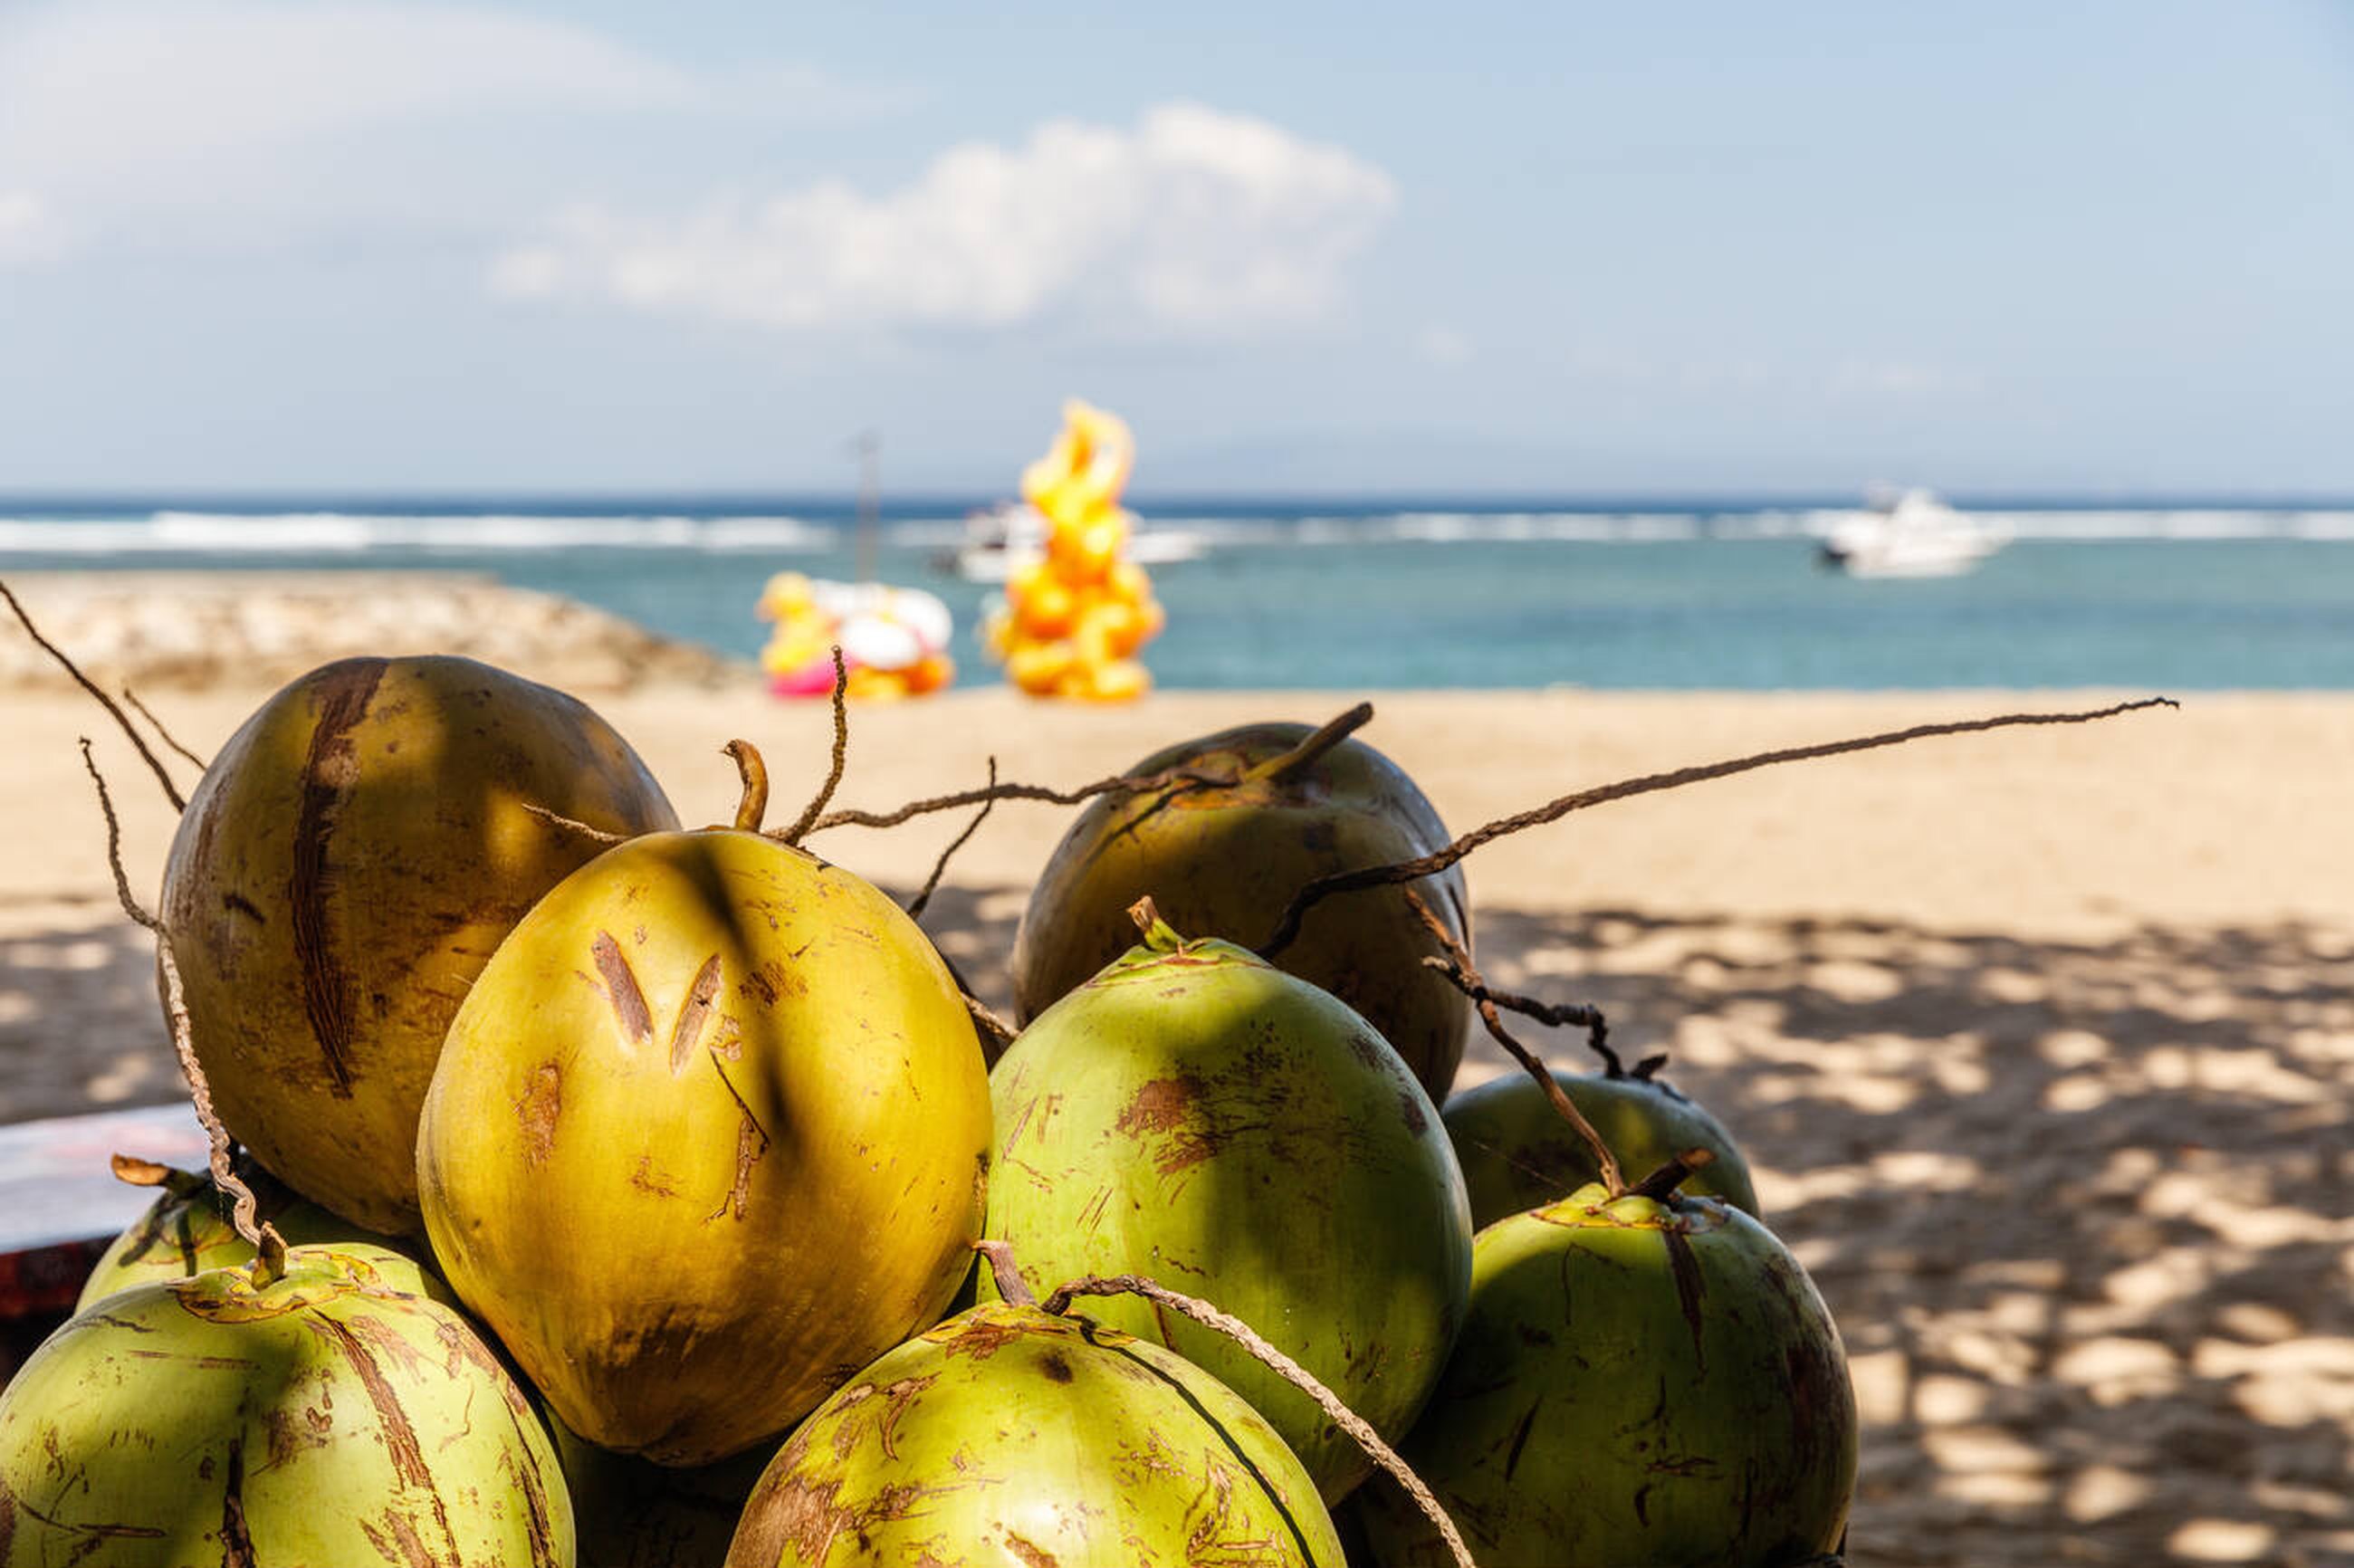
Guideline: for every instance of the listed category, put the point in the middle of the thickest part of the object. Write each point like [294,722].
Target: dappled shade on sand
[2080,1207]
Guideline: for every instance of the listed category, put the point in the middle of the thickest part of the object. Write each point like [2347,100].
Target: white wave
[358,534]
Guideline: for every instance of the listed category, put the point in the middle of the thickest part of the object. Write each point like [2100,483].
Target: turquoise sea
[1389,593]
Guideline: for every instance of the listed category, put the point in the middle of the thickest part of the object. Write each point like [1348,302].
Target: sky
[340,247]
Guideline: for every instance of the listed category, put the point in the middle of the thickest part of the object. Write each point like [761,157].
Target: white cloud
[29,234]
[1895,379]
[126,108]
[1196,220]
[1444,345]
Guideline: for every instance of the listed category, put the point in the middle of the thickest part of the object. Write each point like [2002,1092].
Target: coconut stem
[1286,929]
[132,1172]
[753,804]
[1331,733]
[1291,1371]
[1614,1180]
[1010,1283]
[1660,1183]
[155,764]
[1157,934]
[176,1008]
[270,1256]
[811,814]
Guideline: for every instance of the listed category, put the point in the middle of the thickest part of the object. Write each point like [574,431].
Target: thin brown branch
[1559,1014]
[999,1029]
[1187,778]
[155,764]
[923,898]
[1613,1181]
[157,725]
[1131,784]
[558,818]
[811,816]
[1290,1371]
[131,904]
[1286,929]
[175,1010]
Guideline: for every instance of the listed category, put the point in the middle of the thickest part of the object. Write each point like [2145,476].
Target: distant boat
[1913,535]
[1004,537]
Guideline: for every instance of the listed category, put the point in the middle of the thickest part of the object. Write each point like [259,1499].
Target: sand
[2042,1042]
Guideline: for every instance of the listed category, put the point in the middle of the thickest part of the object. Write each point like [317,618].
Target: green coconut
[710,1133]
[188,1231]
[1226,862]
[1640,1381]
[1518,1154]
[242,1417]
[341,875]
[1008,1436]
[1197,1116]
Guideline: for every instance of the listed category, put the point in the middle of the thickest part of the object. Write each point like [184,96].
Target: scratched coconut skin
[710,1133]
[1225,863]
[1518,1154]
[343,872]
[1008,1438]
[1198,1117]
[326,1418]
[1639,1382]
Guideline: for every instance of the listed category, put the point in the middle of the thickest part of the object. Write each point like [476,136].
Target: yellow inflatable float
[1070,622]
[894,641]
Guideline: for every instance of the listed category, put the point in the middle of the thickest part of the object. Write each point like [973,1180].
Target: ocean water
[1390,595]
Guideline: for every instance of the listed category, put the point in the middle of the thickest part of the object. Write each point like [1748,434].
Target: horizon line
[1394,498]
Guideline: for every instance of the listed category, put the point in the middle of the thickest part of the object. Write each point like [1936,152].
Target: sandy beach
[2041,1040]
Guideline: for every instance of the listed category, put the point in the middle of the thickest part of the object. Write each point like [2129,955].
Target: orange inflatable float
[1072,621]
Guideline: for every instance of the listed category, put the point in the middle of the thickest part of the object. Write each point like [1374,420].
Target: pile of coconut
[587,1190]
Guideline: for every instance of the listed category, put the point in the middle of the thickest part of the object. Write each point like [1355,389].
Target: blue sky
[2091,248]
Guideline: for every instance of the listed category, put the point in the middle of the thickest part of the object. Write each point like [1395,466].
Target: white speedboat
[1913,535]
[1004,537]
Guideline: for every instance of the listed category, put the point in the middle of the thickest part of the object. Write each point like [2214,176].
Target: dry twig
[1286,929]
[923,898]
[1186,779]
[1613,1181]
[155,764]
[1575,1014]
[998,1029]
[264,1238]
[810,818]
[157,725]
[1290,1371]
[558,820]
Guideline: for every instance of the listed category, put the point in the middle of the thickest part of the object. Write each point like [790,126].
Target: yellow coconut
[348,863]
[708,1136]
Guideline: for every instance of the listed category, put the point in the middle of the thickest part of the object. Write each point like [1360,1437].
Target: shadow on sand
[2082,1209]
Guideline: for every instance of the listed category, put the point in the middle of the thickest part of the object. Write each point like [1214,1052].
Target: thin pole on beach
[868,447]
